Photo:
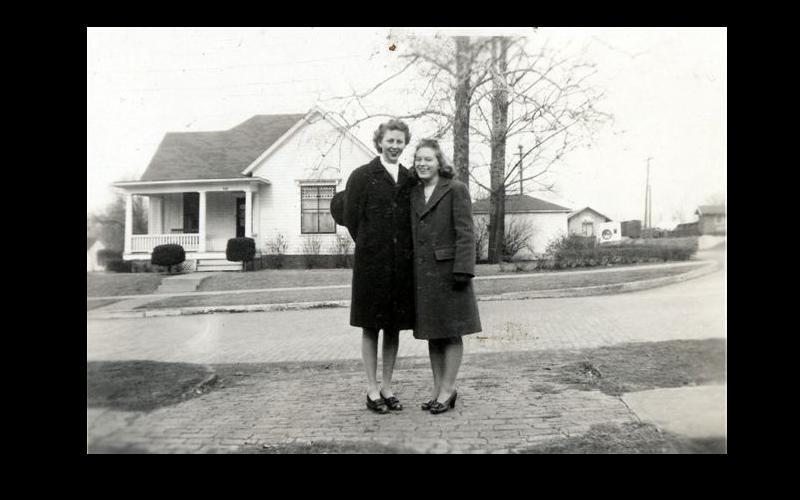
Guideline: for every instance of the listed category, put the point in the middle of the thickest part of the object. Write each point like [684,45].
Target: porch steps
[218,265]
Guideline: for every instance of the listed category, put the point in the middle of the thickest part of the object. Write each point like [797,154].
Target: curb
[630,286]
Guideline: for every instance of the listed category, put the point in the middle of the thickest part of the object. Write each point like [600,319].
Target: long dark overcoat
[377,214]
[444,243]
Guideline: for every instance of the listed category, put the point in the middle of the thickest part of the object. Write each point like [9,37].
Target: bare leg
[453,353]
[369,353]
[391,344]
[436,352]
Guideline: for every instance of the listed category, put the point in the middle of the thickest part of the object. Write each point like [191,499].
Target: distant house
[93,246]
[268,176]
[712,219]
[586,222]
[544,221]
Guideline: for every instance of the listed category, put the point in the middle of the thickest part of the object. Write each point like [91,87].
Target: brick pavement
[505,403]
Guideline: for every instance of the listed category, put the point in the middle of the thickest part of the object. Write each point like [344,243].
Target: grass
[482,287]
[111,284]
[633,438]
[141,385]
[95,304]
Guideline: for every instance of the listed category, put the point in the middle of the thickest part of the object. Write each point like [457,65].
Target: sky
[665,87]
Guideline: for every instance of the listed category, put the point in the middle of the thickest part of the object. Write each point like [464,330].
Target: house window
[191,212]
[315,208]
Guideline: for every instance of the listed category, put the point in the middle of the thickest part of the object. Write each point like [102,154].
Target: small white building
[270,175]
[544,221]
[93,246]
[586,222]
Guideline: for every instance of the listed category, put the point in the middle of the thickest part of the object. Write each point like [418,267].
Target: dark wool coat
[444,243]
[377,214]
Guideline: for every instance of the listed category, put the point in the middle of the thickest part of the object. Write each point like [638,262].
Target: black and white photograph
[399,240]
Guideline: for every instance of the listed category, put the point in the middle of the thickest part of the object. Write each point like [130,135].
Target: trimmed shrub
[312,248]
[341,249]
[241,250]
[168,255]
[107,255]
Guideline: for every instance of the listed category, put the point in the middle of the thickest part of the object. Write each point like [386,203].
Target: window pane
[306,204]
[326,192]
[309,224]
[326,223]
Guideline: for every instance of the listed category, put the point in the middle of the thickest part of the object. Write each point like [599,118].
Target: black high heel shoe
[449,404]
[392,402]
[378,406]
[427,405]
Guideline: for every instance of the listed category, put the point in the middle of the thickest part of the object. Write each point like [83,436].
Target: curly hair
[393,124]
[445,170]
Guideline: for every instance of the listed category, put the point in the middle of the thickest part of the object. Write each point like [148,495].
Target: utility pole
[520,170]
[647,207]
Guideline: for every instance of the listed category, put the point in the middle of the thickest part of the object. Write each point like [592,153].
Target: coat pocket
[445,253]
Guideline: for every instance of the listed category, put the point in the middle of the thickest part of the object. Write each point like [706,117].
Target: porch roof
[182,185]
[218,154]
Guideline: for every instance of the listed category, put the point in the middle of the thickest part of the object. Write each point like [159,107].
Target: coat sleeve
[464,229]
[353,203]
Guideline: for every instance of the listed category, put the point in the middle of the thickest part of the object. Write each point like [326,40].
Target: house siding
[317,151]
[220,219]
[173,212]
[576,223]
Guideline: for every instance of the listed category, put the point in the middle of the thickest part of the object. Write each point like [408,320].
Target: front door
[240,217]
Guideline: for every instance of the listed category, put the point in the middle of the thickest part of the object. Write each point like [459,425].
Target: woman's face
[426,163]
[392,144]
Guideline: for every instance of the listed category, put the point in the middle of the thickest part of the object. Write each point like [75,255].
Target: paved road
[688,310]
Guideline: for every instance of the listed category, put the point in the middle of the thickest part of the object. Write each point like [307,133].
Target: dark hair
[445,170]
[392,124]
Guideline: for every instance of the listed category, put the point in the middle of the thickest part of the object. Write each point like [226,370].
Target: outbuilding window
[315,208]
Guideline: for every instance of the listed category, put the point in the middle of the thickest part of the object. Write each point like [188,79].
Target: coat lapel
[439,191]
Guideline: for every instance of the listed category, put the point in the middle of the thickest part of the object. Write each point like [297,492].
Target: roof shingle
[219,154]
[520,203]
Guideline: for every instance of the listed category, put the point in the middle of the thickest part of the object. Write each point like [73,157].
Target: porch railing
[146,242]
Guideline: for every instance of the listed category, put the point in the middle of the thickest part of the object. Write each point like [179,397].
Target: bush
[619,254]
[311,250]
[168,255]
[119,266]
[107,255]
[276,249]
[240,250]
[341,250]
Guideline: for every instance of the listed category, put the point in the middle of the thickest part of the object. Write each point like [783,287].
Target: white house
[92,247]
[586,222]
[270,175]
[544,221]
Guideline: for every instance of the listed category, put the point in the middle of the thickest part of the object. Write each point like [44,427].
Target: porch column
[128,221]
[202,245]
[248,214]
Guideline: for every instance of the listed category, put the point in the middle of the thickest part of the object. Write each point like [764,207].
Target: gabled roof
[520,203]
[608,219]
[89,242]
[219,154]
[710,210]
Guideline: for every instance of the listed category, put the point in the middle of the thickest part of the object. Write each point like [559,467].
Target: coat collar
[418,196]
[377,168]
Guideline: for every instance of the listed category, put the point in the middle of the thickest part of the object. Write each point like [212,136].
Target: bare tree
[496,89]
[108,224]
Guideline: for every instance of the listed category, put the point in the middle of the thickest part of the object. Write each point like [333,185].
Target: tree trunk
[499,101]
[461,118]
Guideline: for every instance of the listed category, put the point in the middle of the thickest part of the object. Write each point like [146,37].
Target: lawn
[112,284]
[482,287]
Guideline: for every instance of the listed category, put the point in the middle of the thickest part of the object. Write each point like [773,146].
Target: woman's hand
[461,280]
